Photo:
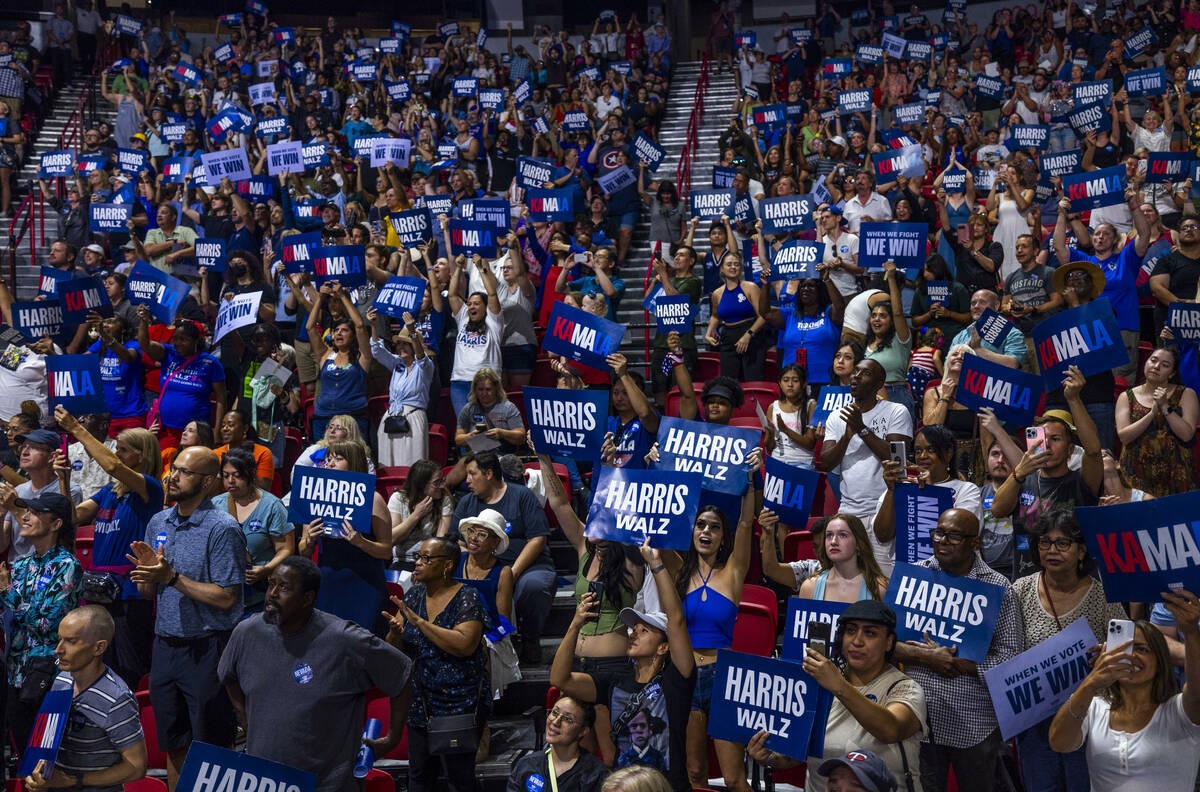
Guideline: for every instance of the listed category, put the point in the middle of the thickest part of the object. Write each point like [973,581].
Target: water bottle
[366,757]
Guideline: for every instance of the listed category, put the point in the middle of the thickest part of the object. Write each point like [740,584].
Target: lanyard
[550,763]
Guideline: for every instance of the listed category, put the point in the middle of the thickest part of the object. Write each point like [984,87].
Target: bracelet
[657,569]
[174,579]
[1071,712]
[1018,479]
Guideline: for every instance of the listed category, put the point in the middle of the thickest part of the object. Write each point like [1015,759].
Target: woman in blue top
[190,378]
[120,373]
[408,393]
[270,538]
[120,512]
[709,580]
[811,324]
[342,364]
[735,312]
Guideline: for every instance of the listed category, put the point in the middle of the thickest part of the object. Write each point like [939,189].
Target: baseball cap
[99,251]
[837,140]
[41,437]
[140,136]
[869,611]
[871,771]
[720,392]
[493,521]
[631,617]
[53,502]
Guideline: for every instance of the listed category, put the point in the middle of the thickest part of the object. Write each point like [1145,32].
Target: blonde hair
[491,376]
[145,443]
[636,778]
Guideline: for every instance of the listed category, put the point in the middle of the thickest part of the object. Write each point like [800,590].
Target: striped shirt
[104,721]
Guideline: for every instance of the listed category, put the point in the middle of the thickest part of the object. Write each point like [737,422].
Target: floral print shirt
[446,684]
[41,591]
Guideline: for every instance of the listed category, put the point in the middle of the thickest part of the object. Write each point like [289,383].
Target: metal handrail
[17,228]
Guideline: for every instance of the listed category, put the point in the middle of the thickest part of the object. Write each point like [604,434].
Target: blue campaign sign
[938,292]
[787,213]
[400,295]
[1143,549]
[175,170]
[1026,136]
[800,612]
[37,319]
[129,26]
[1094,189]
[157,290]
[647,151]
[1165,166]
[796,258]
[711,204]
[206,763]
[830,399]
[316,154]
[747,39]
[918,51]
[268,127]
[108,217]
[345,264]
[576,121]
[1031,687]
[400,91]
[772,116]
[1136,43]
[672,313]
[48,728]
[903,243]
[955,611]
[261,189]
[1184,321]
[90,162]
[719,453]
[56,163]
[551,206]
[739,709]
[491,98]
[836,68]
[333,496]
[1011,393]
[132,161]
[567,423]
[788,491]
[468,237]
[465,86]
[1146,82]
[74,382]
[990,87]
[630,505]
[1091,117]
[49,279]
[299,251]
[868,54]
[954,181]
[917,511]
[723,176]
[906,114]
[854,101]
[82,296]
[993,328]
[1087,337]
[1060,163]
[906,161]
[581,336]
[1083,93]
[534,172]
[412,227]
[228,164]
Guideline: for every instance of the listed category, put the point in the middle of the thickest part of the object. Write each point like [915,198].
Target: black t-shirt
[1184,272]
[1041,493]
[532,774]
[658,708]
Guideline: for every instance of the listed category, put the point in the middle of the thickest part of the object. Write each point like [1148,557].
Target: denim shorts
[702,695]
[628,219]
[519,358]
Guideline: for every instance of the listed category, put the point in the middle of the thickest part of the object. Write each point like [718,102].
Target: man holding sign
[963,727]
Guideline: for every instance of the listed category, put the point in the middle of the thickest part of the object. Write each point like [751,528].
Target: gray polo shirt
[305,693]
[103,722]
[207,546]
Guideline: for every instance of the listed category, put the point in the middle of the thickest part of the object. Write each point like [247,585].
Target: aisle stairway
[717,103]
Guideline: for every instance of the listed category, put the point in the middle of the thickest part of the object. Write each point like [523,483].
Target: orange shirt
[263,457]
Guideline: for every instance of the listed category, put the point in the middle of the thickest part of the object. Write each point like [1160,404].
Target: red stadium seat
[379,781]
[746,423]
[754,630]
[761,595]
[83,552]
[517,397]
[439,444]
[155,757]
[543,375]
[379,708]
[146,784]
[708,365]
[798,545]
[377,407]
[794,776]
[673,399]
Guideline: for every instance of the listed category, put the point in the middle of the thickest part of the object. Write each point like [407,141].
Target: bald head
[193,472]
[983,299]
[961,520]
[199,459]
[93,622]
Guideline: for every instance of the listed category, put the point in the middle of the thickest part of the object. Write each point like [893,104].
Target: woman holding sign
[480,321]
[1051,599]
[1156,426]
[1137,729]
[342,365]
[189,378]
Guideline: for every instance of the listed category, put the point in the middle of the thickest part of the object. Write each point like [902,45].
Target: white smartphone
[1120,631]
[898,452]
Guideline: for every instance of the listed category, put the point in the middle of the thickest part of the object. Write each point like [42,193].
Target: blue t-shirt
[1120,283]
[186,397]
[122,381]
[632,442]
[591,285]
[817,336]
[119,521]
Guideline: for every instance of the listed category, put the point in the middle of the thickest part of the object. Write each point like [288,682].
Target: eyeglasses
[1061,545]
[480,534]
[425,558]
[951,538]
[185,472]
[558,714]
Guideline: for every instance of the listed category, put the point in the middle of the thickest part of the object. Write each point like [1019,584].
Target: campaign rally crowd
[323,402]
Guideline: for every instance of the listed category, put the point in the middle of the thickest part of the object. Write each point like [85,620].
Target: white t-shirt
[604,106]
[845,248]
[860,469]
[786,449]
[858,310]
[473,351]
[1160,756]
[22,378]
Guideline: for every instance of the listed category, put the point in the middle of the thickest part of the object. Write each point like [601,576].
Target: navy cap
[41,437]
[870,610]
[871,771]
[52,502]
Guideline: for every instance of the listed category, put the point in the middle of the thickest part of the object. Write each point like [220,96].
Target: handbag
[397,424]
[103,588]
[451,734]
[39,676]
[152,416]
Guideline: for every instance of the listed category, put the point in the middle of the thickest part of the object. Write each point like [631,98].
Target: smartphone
[480,428]
[580,258]
[1035,436]
[819,637]
[596,587]
[965,236]
[1120,631]
[1000,187]
[1141,166]
[899,452]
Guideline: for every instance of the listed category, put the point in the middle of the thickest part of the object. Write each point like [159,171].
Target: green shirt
[894,359]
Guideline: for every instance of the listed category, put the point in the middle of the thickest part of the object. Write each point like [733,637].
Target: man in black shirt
[1176,276]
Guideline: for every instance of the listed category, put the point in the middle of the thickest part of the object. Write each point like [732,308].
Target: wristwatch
[864,432]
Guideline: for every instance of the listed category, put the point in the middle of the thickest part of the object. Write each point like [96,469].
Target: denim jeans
[460,394]
[1104,416]
[1062,140]
[1045,770]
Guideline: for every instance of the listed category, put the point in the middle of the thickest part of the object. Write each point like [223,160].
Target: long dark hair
[419,476]
[938,266]
[941,443]
[802,373]
[691,561]
[855,349]
[884,340]
[614,574]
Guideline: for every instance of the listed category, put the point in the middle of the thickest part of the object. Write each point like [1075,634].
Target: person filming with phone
[875,707]
[1138,730]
